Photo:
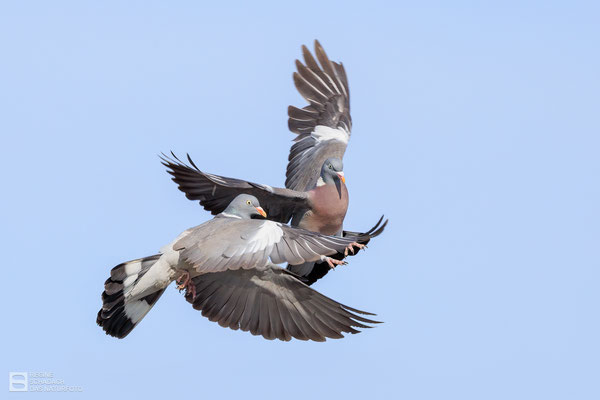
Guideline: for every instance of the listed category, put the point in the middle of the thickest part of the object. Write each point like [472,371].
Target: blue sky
[476,131]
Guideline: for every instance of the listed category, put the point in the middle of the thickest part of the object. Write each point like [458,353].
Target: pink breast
[328,210]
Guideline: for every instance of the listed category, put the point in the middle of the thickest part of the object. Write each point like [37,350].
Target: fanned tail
[119,313]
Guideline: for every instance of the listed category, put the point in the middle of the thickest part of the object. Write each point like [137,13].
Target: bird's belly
[327,213]
[325,226]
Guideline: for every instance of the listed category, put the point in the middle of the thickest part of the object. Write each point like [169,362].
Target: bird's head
[332,172]
[245,206]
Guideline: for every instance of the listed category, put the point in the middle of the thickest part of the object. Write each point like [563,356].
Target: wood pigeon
[227,267]
[315,197]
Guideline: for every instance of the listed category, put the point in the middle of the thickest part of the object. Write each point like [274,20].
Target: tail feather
[119,315]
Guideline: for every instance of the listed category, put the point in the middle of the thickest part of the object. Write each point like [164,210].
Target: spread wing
[272,303]
[230,244]
[216,192]
[323,126]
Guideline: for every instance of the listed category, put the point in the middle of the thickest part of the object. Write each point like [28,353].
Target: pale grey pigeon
[316,197]
[228,268]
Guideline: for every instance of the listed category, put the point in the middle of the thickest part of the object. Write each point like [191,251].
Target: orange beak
[342,177]
[261,211]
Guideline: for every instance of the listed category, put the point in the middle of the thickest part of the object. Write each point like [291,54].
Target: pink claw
[333,262]
[351,247]
[185,282]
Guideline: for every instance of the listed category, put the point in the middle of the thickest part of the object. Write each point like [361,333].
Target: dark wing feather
[216,192]
[309,273]
[274,304]
[323,126]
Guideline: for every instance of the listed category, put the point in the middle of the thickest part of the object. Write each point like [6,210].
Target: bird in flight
[228,266]
[315,196]
[228,269]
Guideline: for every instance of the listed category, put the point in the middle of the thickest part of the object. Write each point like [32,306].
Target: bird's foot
[351,247]
[333,262]
[185,282]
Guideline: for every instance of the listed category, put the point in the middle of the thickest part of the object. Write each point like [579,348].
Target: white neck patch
[230,215]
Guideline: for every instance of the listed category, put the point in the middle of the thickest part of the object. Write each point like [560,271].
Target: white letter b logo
[17,382]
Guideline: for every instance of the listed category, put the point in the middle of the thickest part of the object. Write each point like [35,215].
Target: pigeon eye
[330,166]
[248,202]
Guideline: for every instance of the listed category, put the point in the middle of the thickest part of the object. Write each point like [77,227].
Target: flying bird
[227,267]
[316,196]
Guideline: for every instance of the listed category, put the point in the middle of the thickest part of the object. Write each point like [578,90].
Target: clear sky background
[476,131]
